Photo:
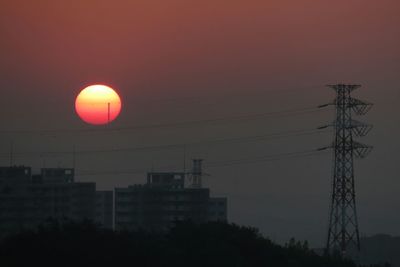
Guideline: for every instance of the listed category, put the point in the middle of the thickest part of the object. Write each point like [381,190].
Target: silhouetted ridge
[187,244]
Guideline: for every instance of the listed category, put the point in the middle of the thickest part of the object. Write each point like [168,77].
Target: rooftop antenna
[11,153]
[108,112]
[43,160]
[73,157]
[184,158]
[197,173]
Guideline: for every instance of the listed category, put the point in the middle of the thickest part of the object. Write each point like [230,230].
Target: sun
[98,104]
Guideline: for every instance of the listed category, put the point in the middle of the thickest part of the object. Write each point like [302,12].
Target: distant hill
[379,249]
[376,250]
[188,244]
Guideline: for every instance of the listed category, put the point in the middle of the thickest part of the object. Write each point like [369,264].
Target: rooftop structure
[164,200]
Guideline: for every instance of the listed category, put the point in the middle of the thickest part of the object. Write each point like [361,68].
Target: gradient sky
[177,61]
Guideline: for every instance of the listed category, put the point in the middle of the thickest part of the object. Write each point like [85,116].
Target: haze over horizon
[173,61]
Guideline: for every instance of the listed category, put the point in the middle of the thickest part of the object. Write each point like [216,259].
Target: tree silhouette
[187,244]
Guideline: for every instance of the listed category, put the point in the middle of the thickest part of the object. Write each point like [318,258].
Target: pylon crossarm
[361,150]
[348,87]
[359,107]
[362,130]
[359,128]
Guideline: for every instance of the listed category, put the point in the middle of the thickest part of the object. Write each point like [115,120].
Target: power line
[241,92]
[250,160]
[233,140]
[304,153]
[228,119]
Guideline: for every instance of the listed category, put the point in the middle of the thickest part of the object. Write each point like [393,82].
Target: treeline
[188,244]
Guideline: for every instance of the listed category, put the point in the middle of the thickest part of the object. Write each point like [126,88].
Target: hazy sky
[175,61]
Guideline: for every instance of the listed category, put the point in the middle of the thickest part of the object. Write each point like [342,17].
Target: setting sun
[98,104]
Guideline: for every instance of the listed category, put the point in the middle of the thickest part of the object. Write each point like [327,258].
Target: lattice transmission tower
[343,224]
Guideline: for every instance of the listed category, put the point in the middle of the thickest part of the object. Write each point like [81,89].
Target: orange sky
[175,61]
[205,42]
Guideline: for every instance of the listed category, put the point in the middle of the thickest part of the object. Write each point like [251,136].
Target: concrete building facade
[27,200]
[105,209]
[162,201]
[218,209]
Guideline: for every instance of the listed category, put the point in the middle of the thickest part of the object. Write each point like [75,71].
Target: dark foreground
[211,244]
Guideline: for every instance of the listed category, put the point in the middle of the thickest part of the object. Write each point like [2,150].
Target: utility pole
[73,157]
[197,173]
[184,159]
[343,230]
[108,112]
[11,153]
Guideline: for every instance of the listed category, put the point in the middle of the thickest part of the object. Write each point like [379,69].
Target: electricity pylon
[343,225]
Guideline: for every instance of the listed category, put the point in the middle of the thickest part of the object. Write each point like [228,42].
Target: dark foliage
[211,244]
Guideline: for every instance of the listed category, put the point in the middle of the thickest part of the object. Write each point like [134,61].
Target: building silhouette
[164,200]
[105,209]
[27,200]
[217,209]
